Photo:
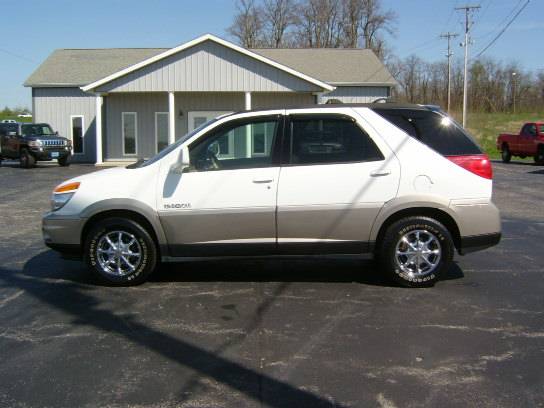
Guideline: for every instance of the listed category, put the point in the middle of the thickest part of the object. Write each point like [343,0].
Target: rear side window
[437,131]
[325,139]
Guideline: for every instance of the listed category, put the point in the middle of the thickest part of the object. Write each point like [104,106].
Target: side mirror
[182,162]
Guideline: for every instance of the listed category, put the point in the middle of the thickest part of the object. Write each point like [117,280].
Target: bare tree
[247,25]
[374,22]
[319,24]
[278,16]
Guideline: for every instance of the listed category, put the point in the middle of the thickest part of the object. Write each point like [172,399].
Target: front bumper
[46,154]
[62,233]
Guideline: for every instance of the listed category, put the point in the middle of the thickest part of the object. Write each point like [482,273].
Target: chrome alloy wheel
[418,253]
[118,253]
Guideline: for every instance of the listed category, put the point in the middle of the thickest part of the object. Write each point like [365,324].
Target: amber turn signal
[65,188]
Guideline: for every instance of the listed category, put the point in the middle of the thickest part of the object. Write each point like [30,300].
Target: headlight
[62,194]
[35,143]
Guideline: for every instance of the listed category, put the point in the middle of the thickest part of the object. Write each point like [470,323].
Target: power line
[16,55]
[504,20]
[503,30]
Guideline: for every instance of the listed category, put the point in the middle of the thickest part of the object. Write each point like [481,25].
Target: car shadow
[322,269]
[536,172]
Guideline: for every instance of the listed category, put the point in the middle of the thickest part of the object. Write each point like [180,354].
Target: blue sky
[35,28]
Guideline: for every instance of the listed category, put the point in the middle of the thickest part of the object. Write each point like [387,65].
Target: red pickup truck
[529,142]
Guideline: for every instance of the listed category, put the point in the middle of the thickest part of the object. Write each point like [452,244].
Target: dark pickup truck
[30,142]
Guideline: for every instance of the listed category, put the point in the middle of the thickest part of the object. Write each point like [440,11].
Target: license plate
[54,155]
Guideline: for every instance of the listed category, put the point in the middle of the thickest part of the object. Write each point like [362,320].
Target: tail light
[478,164]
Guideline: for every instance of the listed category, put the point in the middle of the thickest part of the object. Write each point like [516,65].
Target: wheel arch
[437,214]
[135,211]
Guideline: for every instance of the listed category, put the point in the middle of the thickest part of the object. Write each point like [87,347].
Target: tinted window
[7,128]
[436,130]
[321,140]
[235,146]
[38,129]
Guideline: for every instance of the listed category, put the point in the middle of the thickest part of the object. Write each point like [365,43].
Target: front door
[333,185]
[225,202]
[198,118]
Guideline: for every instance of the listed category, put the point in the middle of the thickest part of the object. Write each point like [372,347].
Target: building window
[261,138]
[130,133]
[161,130]
[77,127]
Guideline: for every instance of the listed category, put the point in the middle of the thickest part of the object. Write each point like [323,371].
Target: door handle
[263,180]
[380,173]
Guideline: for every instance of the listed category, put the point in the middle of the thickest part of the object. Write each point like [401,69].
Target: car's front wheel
[120,251]
[64,161]
[26,159]
[539,156]
[506,156]
[416,251]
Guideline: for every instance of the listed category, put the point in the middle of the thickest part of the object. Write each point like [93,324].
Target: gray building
[120,104]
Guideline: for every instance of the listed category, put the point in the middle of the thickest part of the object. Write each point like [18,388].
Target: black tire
[64,161]
[406,227]
[143,242]
[539,156]
[506,156]
[26,159]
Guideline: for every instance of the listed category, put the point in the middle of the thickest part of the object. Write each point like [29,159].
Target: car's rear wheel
[26,159]
[539,156]
[416,251]
[120,251]
[64,161]
[506,156]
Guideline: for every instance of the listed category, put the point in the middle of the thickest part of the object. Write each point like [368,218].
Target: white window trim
[211,114]
[135,114]
[266,145]
[191,115]
[157,129]
[82,134]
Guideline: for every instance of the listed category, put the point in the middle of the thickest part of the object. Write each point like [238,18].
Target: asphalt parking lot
[281,333]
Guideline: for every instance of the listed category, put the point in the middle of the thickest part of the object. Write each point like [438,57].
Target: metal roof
[335,66]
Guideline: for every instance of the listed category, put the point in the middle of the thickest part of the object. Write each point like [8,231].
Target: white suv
[403,182]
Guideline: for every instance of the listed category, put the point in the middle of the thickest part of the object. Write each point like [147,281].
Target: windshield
[173,146]
[37,130]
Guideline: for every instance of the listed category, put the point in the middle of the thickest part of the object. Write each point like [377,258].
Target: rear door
[334,180]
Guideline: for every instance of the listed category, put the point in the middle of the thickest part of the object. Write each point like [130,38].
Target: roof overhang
[199,40]
[367,84]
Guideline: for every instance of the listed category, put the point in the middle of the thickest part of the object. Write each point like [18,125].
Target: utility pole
[468,25]
[514,90]
[449,36]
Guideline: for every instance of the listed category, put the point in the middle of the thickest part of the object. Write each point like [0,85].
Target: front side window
[237,146]
[77,134]
[129,123]
[322,140]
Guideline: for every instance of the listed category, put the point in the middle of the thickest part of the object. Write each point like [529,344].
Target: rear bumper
[478,242]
